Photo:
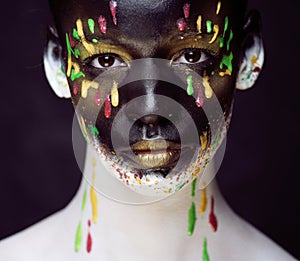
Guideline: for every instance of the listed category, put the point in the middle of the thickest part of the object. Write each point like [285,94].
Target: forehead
[149,17]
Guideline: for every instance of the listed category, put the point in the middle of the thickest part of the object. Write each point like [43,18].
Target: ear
[53,65]
[252,52]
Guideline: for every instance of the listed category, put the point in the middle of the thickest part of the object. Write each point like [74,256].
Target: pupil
[192,57]
[106,60]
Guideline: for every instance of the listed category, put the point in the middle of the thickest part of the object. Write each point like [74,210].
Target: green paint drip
[227,61]
[209,27]
[205,256]
[229,40]
[84,198]
[75,52]
[94,130]
[94,40]
[76,76]
[193,187]
[224,32]
[78,238]
[62,68]
[75,34]
[180,186]
[217,139]
[190,88]
[192,219]
[91,24]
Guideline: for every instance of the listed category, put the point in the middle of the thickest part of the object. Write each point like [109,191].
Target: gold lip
[155,153]
[154,145]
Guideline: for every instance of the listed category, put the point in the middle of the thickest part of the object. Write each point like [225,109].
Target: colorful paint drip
[89,242]
[97,98]
[218,7]
[113,10]
[205,256]
[72,42]
[226,23]
[190,88]
[212,217]
[91,25]
[102,24]
[186,10]
[94,201]
[75,35]
[203,201]
[229,40]
[209,27]
[78,238]
[192,219]
[227,61]
[216,32]
[207,88]
[88,46]
[194,182]
[107,107]
[199,24]
[75,88]
[86,85]
[200,99]
[114,94]
[181,24]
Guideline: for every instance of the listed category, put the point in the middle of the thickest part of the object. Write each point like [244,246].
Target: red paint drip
[181,24]
[75,88]
[97,98]
[89,223]
[102,24]
[89,243]
[200,100]
[212,217]
[186,10]
[72,41]
[256,69]
[107,107]
[113,10]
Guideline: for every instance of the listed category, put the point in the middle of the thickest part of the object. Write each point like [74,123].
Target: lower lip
[156,158]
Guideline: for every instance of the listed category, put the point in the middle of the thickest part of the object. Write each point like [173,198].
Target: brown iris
[192,56]
[106,60]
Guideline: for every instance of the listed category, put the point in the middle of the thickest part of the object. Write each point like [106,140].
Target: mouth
[152,155]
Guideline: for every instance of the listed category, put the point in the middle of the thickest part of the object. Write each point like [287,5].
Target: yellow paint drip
[88,46]
[94,201]
[83,126]
[218,7]
[115,94]
[94,162]
[199,24]
[216,32]
[227,72]
[254,59]
[86,84]
[203,140]
[203,201]
[208,90]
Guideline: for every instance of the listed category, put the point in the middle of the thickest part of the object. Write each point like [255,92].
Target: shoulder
[45,239]
[253,245]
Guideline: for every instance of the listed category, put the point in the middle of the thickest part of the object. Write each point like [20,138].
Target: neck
[157,231]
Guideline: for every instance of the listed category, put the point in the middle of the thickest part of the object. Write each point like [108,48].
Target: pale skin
[155,231]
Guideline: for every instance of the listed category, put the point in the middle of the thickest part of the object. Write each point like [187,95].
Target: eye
[192,57]
[106,61]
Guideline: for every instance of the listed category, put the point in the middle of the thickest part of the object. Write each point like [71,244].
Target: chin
[158,172]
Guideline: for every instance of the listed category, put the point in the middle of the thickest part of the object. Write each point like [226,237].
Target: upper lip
[152,146]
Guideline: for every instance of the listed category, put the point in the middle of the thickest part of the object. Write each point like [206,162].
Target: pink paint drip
[75,88]
[89,242]
[107,107]
[113,10]
[97,98]
[200,100]
[102,24]
[186,10]
[72,41]
[181,24]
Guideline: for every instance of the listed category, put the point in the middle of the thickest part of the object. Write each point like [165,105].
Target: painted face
[141,73]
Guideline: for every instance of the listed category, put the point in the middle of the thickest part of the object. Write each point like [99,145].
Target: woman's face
[151,82]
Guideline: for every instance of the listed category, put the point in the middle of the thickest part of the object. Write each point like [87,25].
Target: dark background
[259,176]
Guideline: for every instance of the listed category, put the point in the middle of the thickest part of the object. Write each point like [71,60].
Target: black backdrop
[259,176]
